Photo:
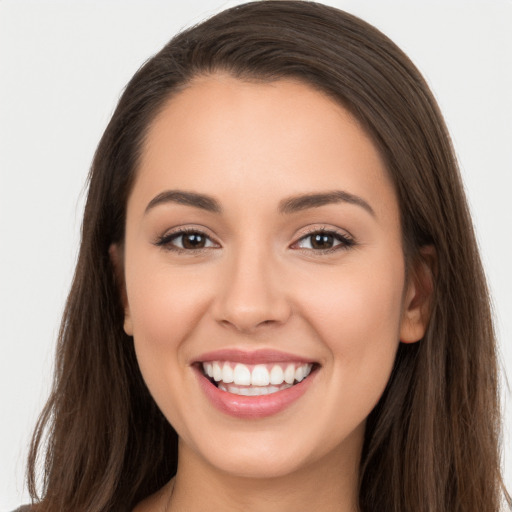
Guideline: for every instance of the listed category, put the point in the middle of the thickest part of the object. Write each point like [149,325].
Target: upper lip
[260,356]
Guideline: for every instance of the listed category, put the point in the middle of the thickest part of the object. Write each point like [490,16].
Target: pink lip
[252,407]
[261,356]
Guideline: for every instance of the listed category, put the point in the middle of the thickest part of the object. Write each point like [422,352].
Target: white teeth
[227,373]
[260,376]
[217,372]
[289,374]
[276,375]
[242,375]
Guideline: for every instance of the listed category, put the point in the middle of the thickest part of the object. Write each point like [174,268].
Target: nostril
[247,327]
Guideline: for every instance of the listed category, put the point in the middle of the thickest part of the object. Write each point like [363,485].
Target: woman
[275,258]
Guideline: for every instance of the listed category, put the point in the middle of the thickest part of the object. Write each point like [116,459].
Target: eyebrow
[306,201]
[202,201]
[286,206]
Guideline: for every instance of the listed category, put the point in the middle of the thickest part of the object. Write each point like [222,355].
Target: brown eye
[186,240]
[323,240]
[193,241]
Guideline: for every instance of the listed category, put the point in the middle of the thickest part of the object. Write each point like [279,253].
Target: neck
[329,484]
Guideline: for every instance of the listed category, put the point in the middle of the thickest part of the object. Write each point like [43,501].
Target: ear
[116,254]
[418,296]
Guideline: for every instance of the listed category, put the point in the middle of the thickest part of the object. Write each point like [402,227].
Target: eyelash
[346,242]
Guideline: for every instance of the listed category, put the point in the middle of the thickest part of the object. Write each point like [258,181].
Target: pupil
[193,241]
[322,241]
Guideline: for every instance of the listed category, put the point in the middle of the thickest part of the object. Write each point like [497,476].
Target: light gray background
[62,67]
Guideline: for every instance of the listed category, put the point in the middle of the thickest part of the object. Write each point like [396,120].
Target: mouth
[254,385]
[255,379]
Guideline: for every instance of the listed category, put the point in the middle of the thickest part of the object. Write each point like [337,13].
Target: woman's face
[291,265]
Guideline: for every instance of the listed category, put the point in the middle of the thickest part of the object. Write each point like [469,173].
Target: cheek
[165,304]
[357,316]
[355,303]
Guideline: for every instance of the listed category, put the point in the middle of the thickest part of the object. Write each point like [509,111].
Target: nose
[252,294]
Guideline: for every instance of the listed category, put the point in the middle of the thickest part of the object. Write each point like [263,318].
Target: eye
[186,240]
[322,240]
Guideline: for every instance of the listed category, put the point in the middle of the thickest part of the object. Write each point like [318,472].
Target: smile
[254,385]
[255,380]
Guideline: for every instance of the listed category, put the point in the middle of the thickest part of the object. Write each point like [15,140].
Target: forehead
[255,141]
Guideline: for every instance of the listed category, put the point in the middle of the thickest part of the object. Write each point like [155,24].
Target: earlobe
[419,296]
[116,255]
[127,325]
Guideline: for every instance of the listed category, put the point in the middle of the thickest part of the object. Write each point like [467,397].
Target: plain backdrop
[63,65]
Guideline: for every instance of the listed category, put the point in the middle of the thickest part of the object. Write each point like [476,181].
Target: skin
[260,284]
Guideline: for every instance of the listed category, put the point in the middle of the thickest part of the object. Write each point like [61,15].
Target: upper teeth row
[256,375]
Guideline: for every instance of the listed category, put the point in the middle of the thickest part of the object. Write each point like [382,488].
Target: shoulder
[25,508]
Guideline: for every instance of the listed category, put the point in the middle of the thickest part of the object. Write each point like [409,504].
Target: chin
[259,463]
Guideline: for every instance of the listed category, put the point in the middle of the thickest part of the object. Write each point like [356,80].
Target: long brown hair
[432,441]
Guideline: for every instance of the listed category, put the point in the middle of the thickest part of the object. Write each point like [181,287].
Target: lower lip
[253,407]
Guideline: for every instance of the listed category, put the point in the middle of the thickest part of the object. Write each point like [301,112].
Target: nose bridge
[252,293]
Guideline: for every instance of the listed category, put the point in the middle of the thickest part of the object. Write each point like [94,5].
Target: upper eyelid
[326,229]
[187,229]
